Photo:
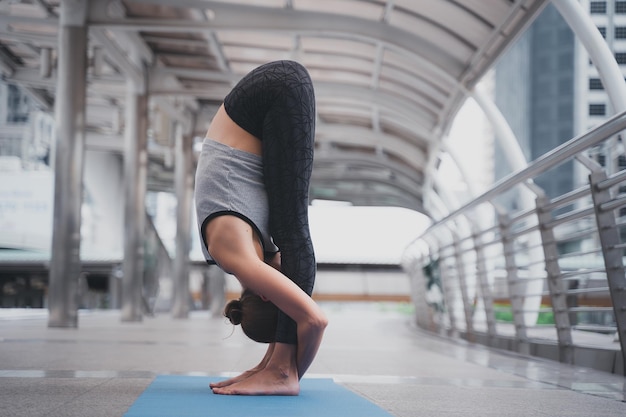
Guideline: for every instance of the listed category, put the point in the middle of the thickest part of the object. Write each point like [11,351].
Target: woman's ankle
[284,359]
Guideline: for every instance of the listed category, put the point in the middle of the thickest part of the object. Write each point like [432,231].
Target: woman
[252,185]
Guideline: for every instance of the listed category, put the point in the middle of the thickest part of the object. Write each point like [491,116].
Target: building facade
[535,91]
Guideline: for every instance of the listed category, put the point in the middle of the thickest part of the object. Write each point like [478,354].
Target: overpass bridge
[136,81]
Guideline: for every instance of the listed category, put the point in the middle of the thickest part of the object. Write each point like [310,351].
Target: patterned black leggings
[276,103]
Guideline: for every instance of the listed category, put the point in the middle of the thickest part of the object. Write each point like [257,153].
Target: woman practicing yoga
[252,185]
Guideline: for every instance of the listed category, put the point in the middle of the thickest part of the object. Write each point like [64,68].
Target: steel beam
[515,293]
[184,186]
[485,288]
[612,253]
[70,112]
[254,18]
[135,171]
[468,306]
[556,286]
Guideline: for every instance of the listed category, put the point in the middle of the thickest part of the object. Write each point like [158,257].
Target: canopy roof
[389,75]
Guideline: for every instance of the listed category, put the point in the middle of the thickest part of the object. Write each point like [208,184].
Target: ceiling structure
[389,76]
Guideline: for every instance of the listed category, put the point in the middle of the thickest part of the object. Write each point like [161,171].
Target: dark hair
[256,316]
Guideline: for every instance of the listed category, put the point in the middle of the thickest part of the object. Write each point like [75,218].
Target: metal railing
[546,279]
[158,266]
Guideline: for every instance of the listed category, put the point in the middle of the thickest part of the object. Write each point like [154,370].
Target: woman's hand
[310,333]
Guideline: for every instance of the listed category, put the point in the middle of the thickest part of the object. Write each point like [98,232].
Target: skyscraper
[535,91]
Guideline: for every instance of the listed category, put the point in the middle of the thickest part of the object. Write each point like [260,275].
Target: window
[602,30]
[620,57]
[620,7]
[620,32]
[595,84]
[598,7]
[597,109]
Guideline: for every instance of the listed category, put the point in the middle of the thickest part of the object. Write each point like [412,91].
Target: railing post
[419,288]
[555,283]
[485,289]
[467,305]
[447,292]
[515,293]
[612,253]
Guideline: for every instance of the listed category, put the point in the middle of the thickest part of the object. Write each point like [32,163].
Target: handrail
[540,165]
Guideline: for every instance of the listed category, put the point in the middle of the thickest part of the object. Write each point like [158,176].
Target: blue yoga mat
[190,396]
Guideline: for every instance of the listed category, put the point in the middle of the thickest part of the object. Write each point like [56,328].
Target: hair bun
[233,311]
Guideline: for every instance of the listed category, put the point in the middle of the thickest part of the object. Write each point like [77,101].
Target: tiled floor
[100,368]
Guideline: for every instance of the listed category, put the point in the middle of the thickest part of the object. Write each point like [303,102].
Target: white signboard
[26,207]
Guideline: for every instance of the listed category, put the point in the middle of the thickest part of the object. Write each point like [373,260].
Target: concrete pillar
[184,186]
[135,171]
[68,165]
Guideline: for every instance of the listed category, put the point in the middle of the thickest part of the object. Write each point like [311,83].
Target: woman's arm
[309,340]
[232,245]
[309,333]
[287,296]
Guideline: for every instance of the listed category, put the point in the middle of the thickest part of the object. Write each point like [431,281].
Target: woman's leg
[288,142]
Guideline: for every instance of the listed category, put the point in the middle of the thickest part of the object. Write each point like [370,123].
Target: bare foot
[233,380]
[269,381]
[249,372]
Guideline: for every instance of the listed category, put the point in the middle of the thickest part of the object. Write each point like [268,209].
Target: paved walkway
[100,368]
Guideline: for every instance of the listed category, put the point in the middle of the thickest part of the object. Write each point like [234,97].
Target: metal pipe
[613,180]
[568,217]
[568,198]
[613,204]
